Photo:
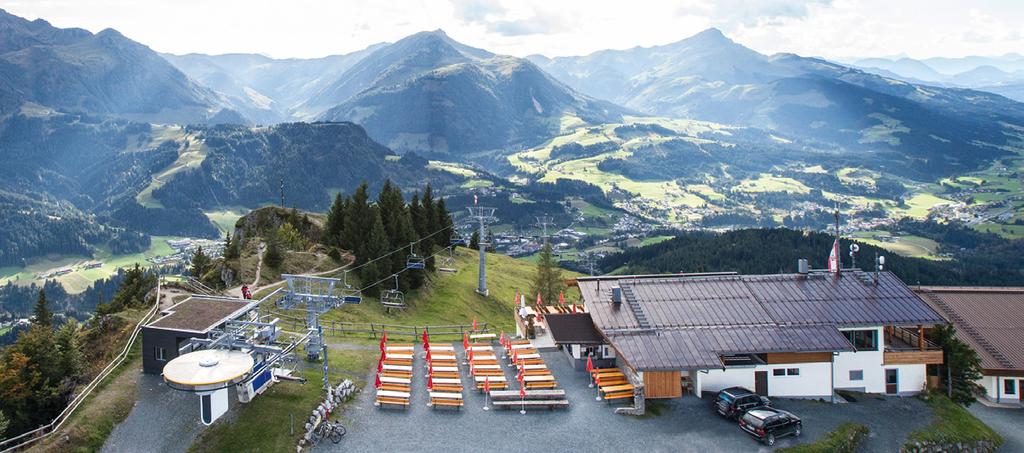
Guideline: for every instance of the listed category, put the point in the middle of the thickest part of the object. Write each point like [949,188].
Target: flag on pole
[590,364]
[376,383]
[833,258]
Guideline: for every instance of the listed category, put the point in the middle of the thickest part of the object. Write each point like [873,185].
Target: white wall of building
[911,378]
[995,388]
[813,380]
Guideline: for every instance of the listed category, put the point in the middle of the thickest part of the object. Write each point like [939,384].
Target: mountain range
[1002,75]
[104,128]
[710,77]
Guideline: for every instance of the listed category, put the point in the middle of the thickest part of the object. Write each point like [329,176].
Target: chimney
[616,296]
[802,267]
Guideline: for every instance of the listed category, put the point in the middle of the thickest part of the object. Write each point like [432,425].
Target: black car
[734,401]
[767,424]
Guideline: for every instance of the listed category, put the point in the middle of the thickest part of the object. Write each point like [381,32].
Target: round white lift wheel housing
[209,373]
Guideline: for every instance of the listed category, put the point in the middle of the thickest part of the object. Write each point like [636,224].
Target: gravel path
[686,424]
[1005,421]
[163,419]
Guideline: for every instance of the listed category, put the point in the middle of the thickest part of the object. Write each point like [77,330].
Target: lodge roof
[989,319]
[689,320]
[577,328]
[199,314]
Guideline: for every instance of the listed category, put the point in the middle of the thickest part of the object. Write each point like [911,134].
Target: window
[1009,387]
[856,375]
[793,372]
[863,340]
[786,372]
[779,372]
[160,354]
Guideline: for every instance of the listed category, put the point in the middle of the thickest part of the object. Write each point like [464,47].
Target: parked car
[767,424]
[733,402]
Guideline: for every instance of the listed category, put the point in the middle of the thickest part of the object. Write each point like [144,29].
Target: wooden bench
[445,402]
[617,395]
[446,374]
[513,395]
[604,370]
[395,387]
[612,381]
[495,385]
[382,400]
[541,385]
[447,388]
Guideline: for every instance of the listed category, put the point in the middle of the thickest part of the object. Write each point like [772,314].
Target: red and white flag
[833,258]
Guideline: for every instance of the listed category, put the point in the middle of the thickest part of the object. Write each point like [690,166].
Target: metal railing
[44,431]
[375,330]
[907,341]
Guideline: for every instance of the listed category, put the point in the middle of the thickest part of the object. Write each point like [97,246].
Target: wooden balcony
[908,347]
[913,357]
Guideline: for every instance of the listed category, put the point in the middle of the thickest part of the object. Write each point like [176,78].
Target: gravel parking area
[1005,421]
[686,424]
[163,419]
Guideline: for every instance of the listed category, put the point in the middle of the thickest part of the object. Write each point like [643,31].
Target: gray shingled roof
[701,348]
[990,320]
[778,313]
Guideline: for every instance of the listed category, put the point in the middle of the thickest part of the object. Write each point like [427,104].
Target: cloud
[476,11]
[749,13]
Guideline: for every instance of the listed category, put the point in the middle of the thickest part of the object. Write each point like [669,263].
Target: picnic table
[538,378]
[617,388]
[490,378]
[398,348]
[448,369]
[446,395]
[400,356]
[487,366]
[526,345]
[392,394]
[397,367]
[528,356]
[441,347]
[447,381]
[480,348]
[395,380]
[535,366]
[478,336]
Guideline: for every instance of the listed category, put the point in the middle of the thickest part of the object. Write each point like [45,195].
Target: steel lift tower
[485,216]
[543,222]
[317,295]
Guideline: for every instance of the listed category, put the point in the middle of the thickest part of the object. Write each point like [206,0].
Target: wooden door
[892,380]
[1020,394]
[761,383]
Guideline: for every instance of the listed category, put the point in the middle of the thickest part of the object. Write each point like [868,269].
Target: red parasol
[561,298]
[380,366]
[465,340]
[376,384]
[487,384]
[474,324]
[428,355]
[430,382]
[470,352]
[590,364]
[522,392]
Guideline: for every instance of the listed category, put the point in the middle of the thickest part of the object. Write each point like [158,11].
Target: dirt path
[237,291]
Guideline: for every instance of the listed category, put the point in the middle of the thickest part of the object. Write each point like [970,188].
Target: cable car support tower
[485,216]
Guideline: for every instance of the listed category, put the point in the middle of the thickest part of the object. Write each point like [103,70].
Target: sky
[837,29]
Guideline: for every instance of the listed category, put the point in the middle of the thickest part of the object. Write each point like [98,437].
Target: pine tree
[963,363]
[474,240]
[69,349]
[273,257]
[376,245]
[4,423]
[200,263]
[335,222]
[358,223]
[548,280]
[445,221]
[42,316]
[232,250]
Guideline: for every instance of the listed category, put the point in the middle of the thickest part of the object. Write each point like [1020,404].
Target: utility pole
[839,254]
[484,216]
[587,261]
[543,222]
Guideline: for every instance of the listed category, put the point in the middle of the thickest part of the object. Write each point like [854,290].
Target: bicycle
[330,430]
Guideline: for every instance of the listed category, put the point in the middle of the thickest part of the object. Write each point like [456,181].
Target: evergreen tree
[4,423]
[290,238]
[200,263]
[69,349]
[131,293]
[416,213]
[474,240]
[961,363]
[42,316]
[548,279]
[232,250]
[376,245]
[445,221]
[358,224]
[273,256]
[335,222]
[398,227]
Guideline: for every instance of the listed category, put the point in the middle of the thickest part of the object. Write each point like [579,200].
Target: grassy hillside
[451,298]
